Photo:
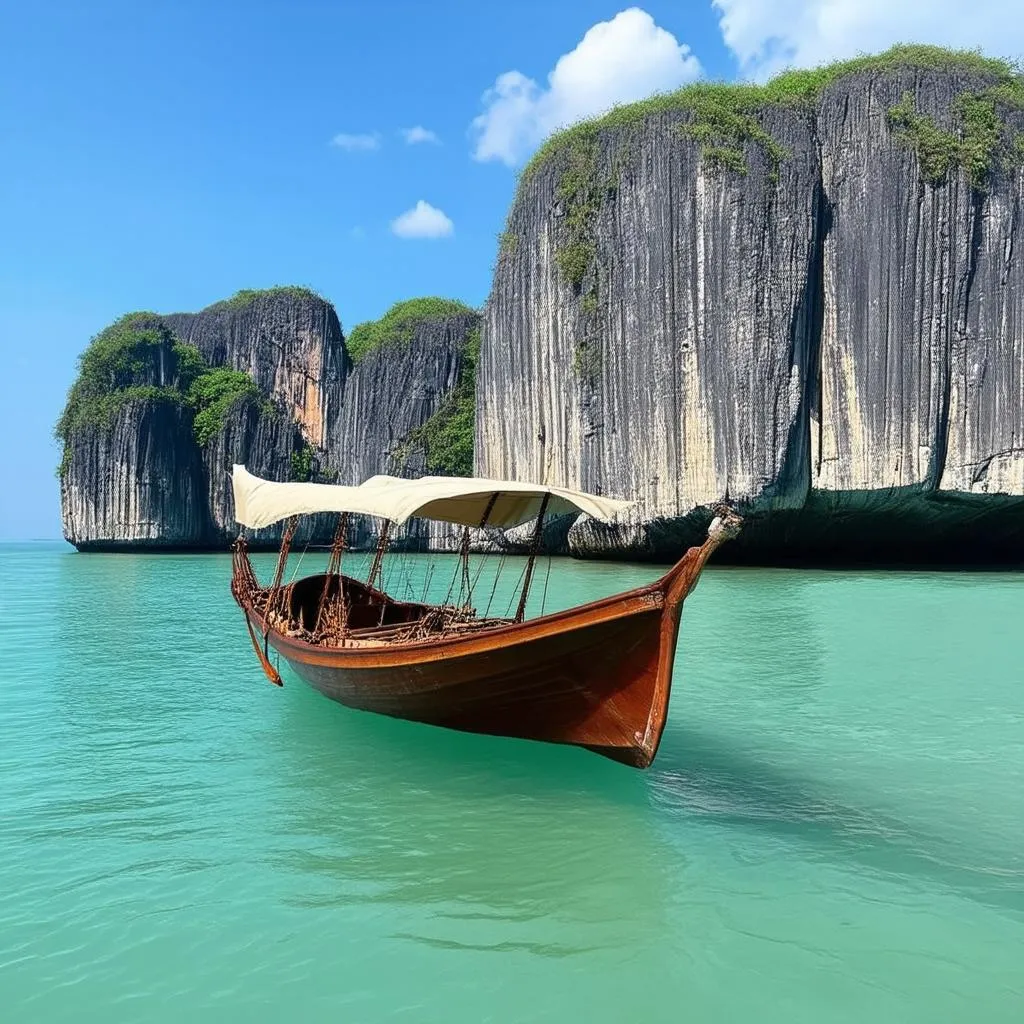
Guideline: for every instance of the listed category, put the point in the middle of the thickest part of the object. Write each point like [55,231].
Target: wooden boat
[597,676]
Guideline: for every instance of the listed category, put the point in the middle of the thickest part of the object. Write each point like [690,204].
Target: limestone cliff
[806,298]
[803,298]
[410,369]
[164,405]
[289,343]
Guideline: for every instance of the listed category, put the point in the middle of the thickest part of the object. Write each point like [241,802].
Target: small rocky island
[805,298]
[165,404]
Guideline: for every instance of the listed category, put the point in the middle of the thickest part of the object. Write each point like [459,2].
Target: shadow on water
[474,842]
[705,774]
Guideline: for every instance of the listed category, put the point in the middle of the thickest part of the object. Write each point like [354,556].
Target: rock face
[393,390]
[806,300]
[288,340]
[137,483]
[799,310]
[264,439]
[400,404]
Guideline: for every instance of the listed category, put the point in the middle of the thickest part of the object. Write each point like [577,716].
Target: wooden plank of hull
[598,676]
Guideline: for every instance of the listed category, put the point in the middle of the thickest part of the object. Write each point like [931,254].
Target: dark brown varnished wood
[597,676]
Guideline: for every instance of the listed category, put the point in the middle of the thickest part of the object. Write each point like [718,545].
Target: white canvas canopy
[261,502]
[461,500]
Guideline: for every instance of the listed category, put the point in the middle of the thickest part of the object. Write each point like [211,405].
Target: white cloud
[356,143]
[419,134]
[769,35]
[616,61]
[422,221]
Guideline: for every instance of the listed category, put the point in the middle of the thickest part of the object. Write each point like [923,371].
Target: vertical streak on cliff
[392,391]
[697,442]
[813,375]
[896,263]
[958,342]
[675,264]
[135,482]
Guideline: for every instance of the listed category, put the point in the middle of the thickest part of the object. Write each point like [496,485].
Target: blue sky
[159,155]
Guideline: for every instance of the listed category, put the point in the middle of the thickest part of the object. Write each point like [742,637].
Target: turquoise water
[833,830]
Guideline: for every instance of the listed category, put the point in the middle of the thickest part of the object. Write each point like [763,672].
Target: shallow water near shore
[833,830]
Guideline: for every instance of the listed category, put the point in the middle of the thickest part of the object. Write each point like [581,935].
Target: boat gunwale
[441,647]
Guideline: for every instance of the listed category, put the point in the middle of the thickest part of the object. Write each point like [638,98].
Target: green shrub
[213,394]
[978,139]
[574,259]
[721,110]
[580,195]
[302,464]
[727,158]
[190,364]
[446,439]
[135,355]
[399,324]
[936,149]
[586,362]
[247,296]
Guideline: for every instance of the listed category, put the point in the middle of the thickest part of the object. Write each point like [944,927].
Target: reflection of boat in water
[597,676]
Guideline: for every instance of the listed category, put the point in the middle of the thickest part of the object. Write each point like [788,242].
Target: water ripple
[833,829]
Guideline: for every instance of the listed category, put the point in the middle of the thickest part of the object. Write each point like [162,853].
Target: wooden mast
[466,584]
[282,561]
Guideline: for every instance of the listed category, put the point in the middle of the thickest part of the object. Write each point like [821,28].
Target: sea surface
[833,829]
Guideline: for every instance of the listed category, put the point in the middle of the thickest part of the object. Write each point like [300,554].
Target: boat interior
[368,607]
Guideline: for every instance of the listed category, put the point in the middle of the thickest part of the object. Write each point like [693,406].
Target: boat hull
[594,685]
[598,676]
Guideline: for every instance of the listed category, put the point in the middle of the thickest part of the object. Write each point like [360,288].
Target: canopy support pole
[282,561]
[534,548]
[483,523]
[378,558]
[465,585]
[489,509]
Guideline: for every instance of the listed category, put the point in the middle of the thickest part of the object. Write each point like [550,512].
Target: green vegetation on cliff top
[722,112]
[247,296]
[981,139]
[137,358]
[132,358]
[399,323]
